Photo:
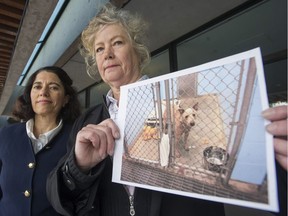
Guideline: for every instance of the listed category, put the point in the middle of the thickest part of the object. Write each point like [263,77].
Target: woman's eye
[98,50]
[36,87]
[54,87]
[118,42]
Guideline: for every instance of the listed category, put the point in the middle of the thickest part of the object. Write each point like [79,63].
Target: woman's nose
[108,53]
[44,91]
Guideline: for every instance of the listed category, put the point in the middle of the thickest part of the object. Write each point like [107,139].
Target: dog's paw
[187,148]
[177,154]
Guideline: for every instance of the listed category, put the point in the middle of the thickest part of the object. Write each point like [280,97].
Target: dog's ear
[181,110]
[196,106]
[177,103]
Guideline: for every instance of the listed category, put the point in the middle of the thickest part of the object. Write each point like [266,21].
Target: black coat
[21,170]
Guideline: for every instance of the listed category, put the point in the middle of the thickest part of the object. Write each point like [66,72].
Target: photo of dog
[182,120]
[192,133]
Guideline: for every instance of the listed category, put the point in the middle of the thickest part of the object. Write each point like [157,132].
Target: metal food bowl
[215,158]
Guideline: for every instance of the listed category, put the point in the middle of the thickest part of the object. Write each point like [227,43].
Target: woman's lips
[43,101]
[111,66]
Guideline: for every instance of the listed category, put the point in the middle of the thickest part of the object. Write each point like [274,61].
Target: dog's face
[188,116]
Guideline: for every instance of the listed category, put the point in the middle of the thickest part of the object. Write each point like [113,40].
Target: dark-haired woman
[31,149]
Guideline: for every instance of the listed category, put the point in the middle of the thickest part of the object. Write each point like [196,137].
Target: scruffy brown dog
[184,120]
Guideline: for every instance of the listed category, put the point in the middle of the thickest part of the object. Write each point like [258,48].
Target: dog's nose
[192,123]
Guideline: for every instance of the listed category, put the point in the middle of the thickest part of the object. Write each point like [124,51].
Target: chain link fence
[190,127]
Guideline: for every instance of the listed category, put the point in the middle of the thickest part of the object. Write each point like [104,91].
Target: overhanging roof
[11,14]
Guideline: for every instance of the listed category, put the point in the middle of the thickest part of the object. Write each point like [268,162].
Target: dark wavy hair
[23,107]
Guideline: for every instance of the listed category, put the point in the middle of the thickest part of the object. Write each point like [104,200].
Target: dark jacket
[21,170]
[73,193]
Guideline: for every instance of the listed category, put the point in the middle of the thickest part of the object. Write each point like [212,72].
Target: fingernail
[267,113]
[117,135]
[270,127]
[111,152]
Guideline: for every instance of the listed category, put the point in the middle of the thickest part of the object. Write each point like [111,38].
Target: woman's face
[116,58]
[47,94]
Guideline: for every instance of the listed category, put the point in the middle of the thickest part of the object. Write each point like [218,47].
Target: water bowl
[215,158]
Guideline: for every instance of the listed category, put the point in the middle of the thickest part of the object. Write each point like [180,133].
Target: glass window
[159,65]
[82,99]
[276,81]
[229,38]
[96,93]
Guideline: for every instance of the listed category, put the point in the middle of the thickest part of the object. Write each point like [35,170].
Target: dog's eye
[194,115]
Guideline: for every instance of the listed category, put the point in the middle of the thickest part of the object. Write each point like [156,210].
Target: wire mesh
[188,128]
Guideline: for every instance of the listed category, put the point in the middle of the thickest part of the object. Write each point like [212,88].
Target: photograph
[192,133]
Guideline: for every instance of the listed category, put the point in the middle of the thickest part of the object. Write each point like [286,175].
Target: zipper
[131,200]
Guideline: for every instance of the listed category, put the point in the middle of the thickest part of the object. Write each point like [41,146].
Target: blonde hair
[134,25]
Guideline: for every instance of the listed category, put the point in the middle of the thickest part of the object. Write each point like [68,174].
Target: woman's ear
[66,100]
